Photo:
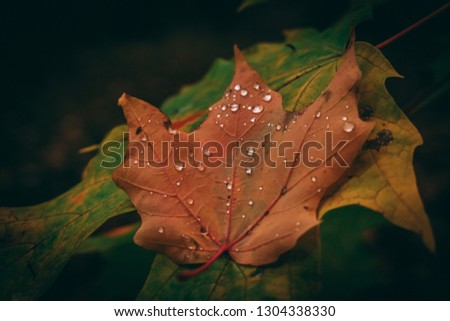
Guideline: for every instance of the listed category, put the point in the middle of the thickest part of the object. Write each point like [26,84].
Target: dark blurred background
[65,63]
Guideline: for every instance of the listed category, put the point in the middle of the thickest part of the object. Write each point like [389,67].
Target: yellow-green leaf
[383,180]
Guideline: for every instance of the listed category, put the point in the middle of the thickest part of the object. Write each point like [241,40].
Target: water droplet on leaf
[348,126]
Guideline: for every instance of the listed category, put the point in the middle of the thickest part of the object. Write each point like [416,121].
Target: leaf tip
[241,64]
[351,39]
[238,56]
[123,99]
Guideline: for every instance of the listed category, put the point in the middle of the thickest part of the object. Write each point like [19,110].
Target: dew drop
[250,202]
[267,97]
[227,93]
[190,201]
[244,92]
[317,115]
[253,119]
[313,179]
[206,152]
[218,116]
[348,126]
[257,109]
[256,86]
[179,167]
[297,224]
[229,186]
[135,162]
[234,107]
[344,118]
[224,107]
[319,190]
[221,125]
[277,235]
[237,87]
[178,183]
[210,108]
[248,171]
[260,188]
[236,250]
[201,168]
[161,230]
[190,242]
[278,127]
[144,138]
[250,151]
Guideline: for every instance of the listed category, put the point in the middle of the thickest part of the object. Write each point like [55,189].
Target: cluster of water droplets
[234,96]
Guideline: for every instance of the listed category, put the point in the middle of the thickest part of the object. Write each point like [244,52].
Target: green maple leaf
[37,241]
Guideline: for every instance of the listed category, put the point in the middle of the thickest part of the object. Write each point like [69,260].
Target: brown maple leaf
[200,199]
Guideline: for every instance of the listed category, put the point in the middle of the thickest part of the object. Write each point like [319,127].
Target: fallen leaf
[380,179]
[193,214]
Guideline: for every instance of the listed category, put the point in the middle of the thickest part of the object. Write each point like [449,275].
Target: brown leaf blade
[229,201]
